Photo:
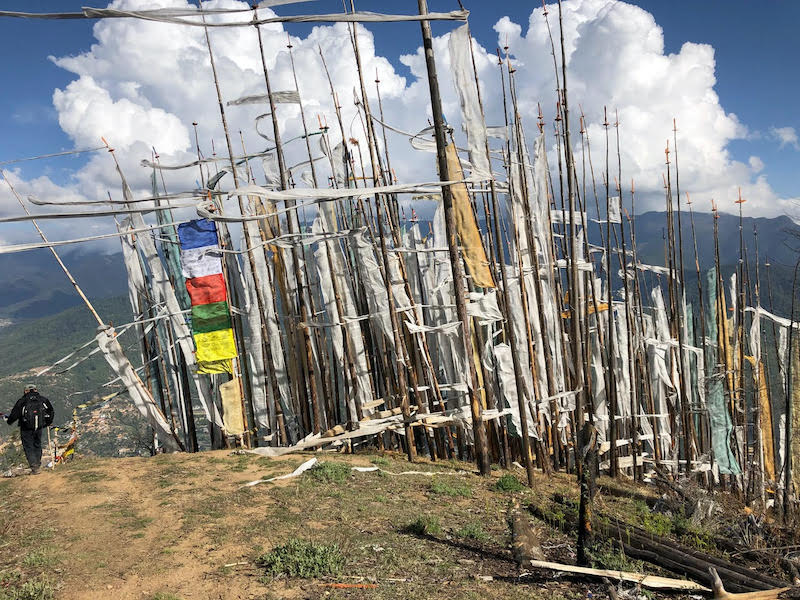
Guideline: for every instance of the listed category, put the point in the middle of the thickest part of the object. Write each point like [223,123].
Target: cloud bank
[141,85]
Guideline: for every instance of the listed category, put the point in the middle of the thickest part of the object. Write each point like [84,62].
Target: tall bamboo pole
[611,390]
[634,403]
[307,356]
[479,430]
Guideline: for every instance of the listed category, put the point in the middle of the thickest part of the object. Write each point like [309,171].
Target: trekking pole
[52,449]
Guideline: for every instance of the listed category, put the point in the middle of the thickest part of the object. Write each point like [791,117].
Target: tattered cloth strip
[107,340]
[720,420]
[211,320]
[372,427]
[89,214]
[311,462]
[353,17]
[614,211]
[782,321]
[37,245]
[53,155]
[198,194]
[471,113]
[562,216]
[231,394]
[655,269]
[287,97]
[760,382]
[297,472]
[323,194]
[467,226]
[173,12]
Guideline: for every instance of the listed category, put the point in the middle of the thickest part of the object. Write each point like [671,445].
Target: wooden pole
[787,448]
[479,430]
[611,390]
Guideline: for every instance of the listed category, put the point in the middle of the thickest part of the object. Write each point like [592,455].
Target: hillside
[28,346]
[32,285]
[177,527]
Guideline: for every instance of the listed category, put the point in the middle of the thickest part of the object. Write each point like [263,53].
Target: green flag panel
[211,317]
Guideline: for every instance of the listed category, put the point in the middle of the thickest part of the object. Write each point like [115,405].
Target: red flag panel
[207,289]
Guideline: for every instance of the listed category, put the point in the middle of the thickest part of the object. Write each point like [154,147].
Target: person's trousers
[32,444]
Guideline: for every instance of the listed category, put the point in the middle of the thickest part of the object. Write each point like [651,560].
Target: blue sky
[755,48]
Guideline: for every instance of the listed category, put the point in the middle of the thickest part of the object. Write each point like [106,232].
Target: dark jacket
[16,412]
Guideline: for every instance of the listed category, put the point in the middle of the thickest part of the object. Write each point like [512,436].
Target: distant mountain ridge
[775,239]
[32,284]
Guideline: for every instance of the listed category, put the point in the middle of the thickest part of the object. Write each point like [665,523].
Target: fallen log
[764,556]
[734,573]
[652,582]
[738,577]
[673,556]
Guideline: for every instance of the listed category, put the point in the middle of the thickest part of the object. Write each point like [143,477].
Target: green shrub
[508,483]
[30,590]
[424,525]
[330,472]
[473,531]
[605,556]
[302,558]
[654,523]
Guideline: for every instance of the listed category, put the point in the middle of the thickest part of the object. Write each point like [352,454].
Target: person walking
[33,412]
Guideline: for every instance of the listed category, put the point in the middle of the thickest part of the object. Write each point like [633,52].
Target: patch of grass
[30,590]
[165,596]
[473,531]
[424,525]
[380,461]
[89,476]
[508,483]
[124,517]
[41,557]
[692,535]
[200,511]
[654,523]
[241,464]
[329,472]
[454,489]
[302,558]
[176,471]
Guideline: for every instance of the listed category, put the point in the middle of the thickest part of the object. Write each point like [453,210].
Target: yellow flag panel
[467,226]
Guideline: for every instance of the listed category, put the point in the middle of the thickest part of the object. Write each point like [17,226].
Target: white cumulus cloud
[786,136]
[142,85]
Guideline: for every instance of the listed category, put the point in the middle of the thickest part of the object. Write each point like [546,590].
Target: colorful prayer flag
[201,261]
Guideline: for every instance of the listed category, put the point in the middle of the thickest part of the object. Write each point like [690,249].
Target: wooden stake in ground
[479,430]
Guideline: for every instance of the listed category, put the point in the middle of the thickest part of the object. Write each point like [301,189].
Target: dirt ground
[180,527]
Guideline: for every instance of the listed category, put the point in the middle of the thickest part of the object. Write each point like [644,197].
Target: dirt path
[182,527]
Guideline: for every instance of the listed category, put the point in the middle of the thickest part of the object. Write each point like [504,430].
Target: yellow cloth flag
[216,367]
[215,345]
[231,394]
[766,418]
[467,226]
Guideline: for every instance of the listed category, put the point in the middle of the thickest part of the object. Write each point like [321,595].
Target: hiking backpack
[35,413]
